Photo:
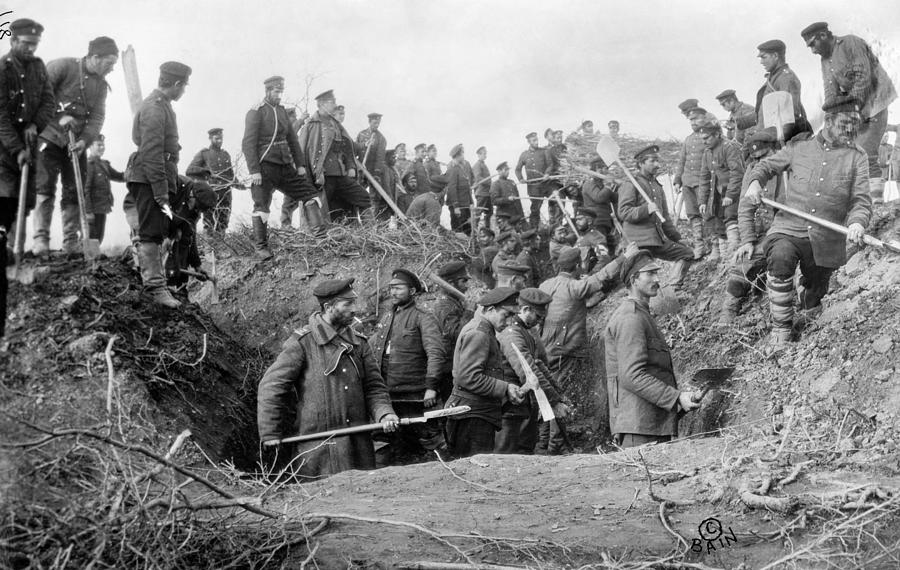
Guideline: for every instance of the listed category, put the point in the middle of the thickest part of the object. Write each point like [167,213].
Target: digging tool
[562,208]
[449,288]
[892,245]
[380,190]
[443,413]
[90,246]
[591,173]
[532,383]
[711,379]
[483,180]
[23,273]
[214,295]
[778,111]
[609,152]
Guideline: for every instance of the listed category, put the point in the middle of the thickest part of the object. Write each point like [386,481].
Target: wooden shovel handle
[637,187]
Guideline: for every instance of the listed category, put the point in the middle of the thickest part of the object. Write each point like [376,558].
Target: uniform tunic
[451,315]
[480,172]
[639,374]
[79,94]
[687,167]
[639,225]
[504,197]
[459,185]
[853,69]
[407,345]
[375,161]
[98,196]
[744,117]
[478,374]
[721,172]
[427,207]
[323,379]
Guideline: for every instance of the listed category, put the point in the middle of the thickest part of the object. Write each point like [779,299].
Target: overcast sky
[479,73]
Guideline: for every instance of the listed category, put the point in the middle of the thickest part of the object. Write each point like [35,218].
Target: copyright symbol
[710,529]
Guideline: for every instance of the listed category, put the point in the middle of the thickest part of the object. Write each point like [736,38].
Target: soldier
[478,377]
[80,88]
[519,430]
[26,108]
[430,205]
[561,237]
[403,163]
[451,315]
[639,220]
[481,175]
[564,333]
[829,179]
[850,67]
[401,167]
[275,160]
[459,191]
[483,263]
[741,116]
[598,197]
[749,268]
[213,166]
[409,350]
[417,175]
[721,172]
[644,398]
[333,367]
[339,113]
[98,196]
[505,195]
[613,127]
[509,245]
[537,166]
[372,148]
[331,159]
[195,198]
[152,175]
[531,247]
[687,173]
[592,244]
[779,77]
[432,165]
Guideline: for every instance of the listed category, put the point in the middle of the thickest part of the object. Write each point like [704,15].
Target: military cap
[646,151]
[453,271]
[528,234]
[335,289]
[761,139]
[103,46]
[842,104]
[687,105]
[710,127]
[175,70]
[813,29]
[776,46]
[506,235]
[511,269]
[499,297]
[374,116]
[214,131]
[325,96]
[612,122]
[420,146]
[401,276]
[431,147]
[642,261]
[399,146]
[532,134]
[587,122]
[502,165]
[456,150]
[25,27]
[274,81]
[727,94]
[568,257]
[534,297]
[203,194]
[585,212]
[699,110]
[480,150]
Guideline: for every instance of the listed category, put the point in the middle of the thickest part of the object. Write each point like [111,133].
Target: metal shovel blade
[608,149]
[711,379]
[778,110]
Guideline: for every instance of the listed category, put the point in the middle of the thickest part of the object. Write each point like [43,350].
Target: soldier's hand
[301,171]
[351,173]
[320,180]
[726,201]
[77,147]
[702,209]
[561,410]
[631,250]
[430,398]
[457,211]
[652,208]
[677,186]
[23,158]
[256,179]
[855,233]
[744,252]
[515,394]
[754,190]
[31,135]
[390,422]
[167,210]
[686,401]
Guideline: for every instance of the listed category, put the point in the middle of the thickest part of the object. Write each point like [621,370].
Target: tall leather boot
[697,237]
[731,305]
[71,221]
[781,307]
[734,238]
[261,238]
[43,216]
[312,212]
[876,190]
[679,271]
[153,277]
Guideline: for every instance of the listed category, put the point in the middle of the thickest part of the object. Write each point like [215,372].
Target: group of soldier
[529,320]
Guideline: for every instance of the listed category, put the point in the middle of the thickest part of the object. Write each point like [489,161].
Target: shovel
[369,427]
[609,152]
[22,273]
[90,246]
[711,379]
[778,111]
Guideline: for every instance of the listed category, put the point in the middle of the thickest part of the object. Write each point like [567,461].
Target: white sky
[480,73]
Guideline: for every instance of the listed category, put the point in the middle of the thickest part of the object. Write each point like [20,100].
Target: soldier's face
[485,239]
[650,165]
[533,142]
[498,317]
[420,153]
[588,128]
[342,312]
[374,123]
[339,115]
[462,284]
[432,153]
[769,60]
[215,141]
[98,148]
[531,316]
[328,106]
[103,65]
[400,294]
[178,90]
[509,245]
[274,94]
[819,44]
[401,153]
[843,127]
[696,120]
[710,139]
[557,137]
[482,155]
[613,129]
[504,172]
[728,104]
[24,47]
[582,222]
[646,283]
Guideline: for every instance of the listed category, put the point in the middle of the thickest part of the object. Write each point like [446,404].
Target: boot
[679,271]
[781,307]
[876,190]
[43,215]
[699,243]
[713,250]
[261,238]
[734,238]
[153,277]
[71,220]
[724,249]
[806,317]
[730,308]
[312,212]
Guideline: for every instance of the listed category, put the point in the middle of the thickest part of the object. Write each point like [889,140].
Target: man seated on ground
[429,205]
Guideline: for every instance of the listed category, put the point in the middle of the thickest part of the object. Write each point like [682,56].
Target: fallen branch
[673,532]
[794,474]
[453,566]
[756,501]
[112,374]
[653,495]
[466,481]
